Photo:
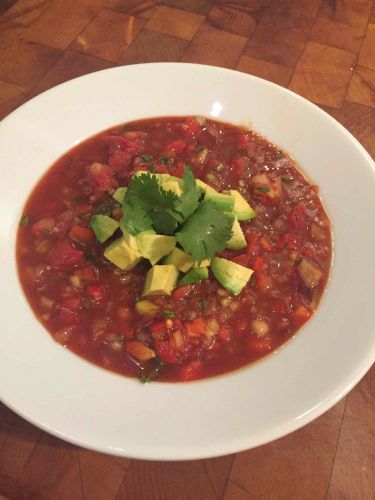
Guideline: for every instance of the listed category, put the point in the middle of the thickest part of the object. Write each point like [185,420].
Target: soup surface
[204,308]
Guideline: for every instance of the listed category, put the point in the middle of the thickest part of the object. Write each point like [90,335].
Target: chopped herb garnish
[165,161]
[46,232]
[263,189]
[200,149]
[25,220]
[287,180]
[146,157]
[279,155]
[206,231]
[202,304]
[154,373]
[219,167]
[168,314]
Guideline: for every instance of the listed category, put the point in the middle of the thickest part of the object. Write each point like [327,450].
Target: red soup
[214,254]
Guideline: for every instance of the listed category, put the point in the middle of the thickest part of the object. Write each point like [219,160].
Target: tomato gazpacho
[174,248]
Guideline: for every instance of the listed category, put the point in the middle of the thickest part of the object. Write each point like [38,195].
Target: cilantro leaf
[145,189]
[206,231]
[163,221]
[189,200]
[136,218]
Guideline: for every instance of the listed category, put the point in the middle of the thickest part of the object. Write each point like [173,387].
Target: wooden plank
[175,22]
[215,47]
[323,74]
[294,467]
[108,35]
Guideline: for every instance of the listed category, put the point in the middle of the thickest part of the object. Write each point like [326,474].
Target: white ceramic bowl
[84,404]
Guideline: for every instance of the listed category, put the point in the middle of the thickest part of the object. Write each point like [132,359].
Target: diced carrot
[81,234]
[266,244]
[300,315]
[195,327]
[180,292]
[191,371]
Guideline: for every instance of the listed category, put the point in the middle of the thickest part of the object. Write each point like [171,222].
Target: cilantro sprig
[200,226]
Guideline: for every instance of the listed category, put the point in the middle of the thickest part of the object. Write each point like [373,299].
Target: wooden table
[322,49]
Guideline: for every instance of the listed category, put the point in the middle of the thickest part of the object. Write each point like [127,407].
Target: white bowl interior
[87,405]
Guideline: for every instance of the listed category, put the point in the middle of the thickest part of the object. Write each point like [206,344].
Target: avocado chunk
[195,274]
[124,252]
[223,201]
[203,263]
[103,226]
[167,182]
[205,187]
[160,280]
[237,240]
[233,277]
[242,210]
[182,260]
[119,194]
[154,246]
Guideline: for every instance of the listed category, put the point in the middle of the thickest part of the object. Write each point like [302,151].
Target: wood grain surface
[321,49]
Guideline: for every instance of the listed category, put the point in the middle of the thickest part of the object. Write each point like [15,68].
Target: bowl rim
[284,428]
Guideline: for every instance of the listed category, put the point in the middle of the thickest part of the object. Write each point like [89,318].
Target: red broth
[89,306]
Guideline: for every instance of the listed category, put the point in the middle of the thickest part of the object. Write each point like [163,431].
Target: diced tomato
[280,306]
[224,335]
[195,327]
[96,292]
[120,160]
[259,345]
[297,219]
[178,169]
[300,315]
[132,146]
[180,292]
[252,243]
[160,168]
[192,127]
[258,265]
[191,371]
[266,244]
[65,255]
[86,273]
[178,146]
[165,352]
[43,226]
[238,166]
[128,331]
[73,303]
[158,326]
[292,241]
[68,317]
[100,177]
[242,141]
[81,235]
